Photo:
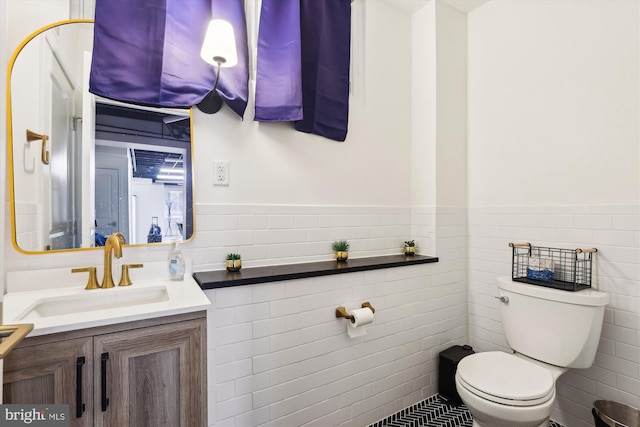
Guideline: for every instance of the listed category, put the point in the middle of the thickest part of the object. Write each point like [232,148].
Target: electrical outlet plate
[220,172]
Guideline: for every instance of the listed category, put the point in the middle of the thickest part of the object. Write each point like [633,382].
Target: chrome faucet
[113,246]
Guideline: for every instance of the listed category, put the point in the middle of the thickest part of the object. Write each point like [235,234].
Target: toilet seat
[506,379]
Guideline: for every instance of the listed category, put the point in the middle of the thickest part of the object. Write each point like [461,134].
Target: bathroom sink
[90,301]
[71,308]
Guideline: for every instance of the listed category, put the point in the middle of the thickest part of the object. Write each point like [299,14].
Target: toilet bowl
[507,390]
[550,331]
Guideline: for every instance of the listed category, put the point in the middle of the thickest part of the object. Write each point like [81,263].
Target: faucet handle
[92,283]
[125,280]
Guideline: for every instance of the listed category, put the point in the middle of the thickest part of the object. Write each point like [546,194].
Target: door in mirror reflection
[64,142]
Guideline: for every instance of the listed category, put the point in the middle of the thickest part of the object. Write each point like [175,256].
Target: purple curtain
[325,35]
[278,76]
[326,46]
[148,52]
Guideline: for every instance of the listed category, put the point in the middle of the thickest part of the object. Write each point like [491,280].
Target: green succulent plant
[410,243]
[233,257]
[340,246]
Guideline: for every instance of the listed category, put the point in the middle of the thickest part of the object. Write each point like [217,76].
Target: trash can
[447,367]
[612,414]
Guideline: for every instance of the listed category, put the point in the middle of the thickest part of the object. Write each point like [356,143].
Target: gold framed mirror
[82,167]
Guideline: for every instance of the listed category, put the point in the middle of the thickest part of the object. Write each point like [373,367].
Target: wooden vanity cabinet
[147,373]
[50,374]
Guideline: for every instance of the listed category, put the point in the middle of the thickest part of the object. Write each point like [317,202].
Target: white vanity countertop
[70,308]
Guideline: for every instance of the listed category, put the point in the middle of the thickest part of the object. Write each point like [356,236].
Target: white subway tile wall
[273,234]
[615,232]
[27,219]
[277,354]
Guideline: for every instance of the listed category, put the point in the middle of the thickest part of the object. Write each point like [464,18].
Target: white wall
[423,126]
[423,101]
[451,106]
[554,103]
[27,16]
[439,117]
[553,159]
[272,163]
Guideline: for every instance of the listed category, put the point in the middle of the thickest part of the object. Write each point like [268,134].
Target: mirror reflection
[84,167]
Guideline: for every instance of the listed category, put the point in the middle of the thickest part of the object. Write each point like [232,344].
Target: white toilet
[550,331]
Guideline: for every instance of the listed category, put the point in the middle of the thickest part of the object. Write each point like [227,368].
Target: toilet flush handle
[503,298]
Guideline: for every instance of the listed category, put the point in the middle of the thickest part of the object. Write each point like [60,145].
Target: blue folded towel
[544,275]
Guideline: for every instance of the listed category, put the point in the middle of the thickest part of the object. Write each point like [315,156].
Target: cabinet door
[52,373]
[152,376]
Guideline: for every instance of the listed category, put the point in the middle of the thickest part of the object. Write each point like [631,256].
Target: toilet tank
[554,326]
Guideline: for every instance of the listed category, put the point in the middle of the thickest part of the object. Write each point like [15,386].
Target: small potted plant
[410,247]
[341,248]
[234,262]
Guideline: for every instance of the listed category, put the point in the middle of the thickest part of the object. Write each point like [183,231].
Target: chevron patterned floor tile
[432,412]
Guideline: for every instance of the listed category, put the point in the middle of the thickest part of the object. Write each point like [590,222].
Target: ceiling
[146,129]
[147,164]
[412,6]
[465,6]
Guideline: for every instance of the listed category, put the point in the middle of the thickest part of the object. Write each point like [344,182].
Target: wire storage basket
[566,269]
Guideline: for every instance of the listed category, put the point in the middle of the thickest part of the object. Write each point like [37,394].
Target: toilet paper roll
[362,316]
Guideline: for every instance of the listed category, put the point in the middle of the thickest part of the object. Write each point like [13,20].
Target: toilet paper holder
[342,312]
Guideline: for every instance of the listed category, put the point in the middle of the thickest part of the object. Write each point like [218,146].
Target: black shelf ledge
[254,275]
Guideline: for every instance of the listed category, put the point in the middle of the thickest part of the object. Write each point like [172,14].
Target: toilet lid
[505,378]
